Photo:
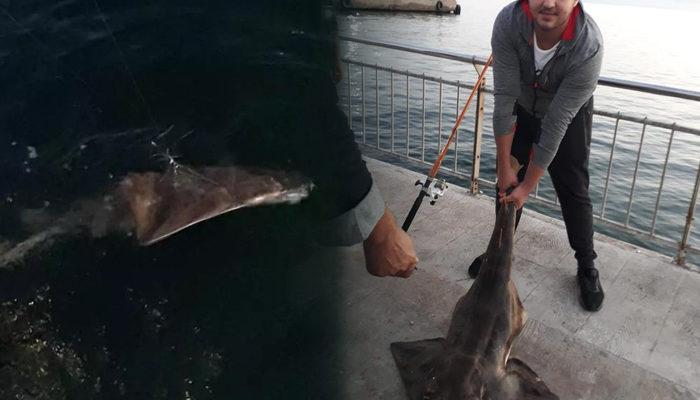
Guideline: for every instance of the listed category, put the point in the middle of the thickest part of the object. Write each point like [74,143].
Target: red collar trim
[569,31]
[525,4]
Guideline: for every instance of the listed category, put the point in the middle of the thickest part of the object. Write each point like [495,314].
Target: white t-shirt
[542,56]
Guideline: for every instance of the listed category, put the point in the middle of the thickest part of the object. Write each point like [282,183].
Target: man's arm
[506,75]
[388,249]
[506,176]
[365,218]
[519,195]
[576,89]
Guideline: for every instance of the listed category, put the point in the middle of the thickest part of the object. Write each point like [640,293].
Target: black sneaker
[476,266]
[590,292]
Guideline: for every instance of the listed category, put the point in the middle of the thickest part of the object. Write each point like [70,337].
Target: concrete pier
[643,344]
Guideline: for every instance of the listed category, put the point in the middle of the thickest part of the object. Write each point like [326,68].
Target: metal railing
[400,143]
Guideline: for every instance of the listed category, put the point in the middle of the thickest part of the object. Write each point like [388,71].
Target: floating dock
[439,6]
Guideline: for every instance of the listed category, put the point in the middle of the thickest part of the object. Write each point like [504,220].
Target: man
[547,58]
[388,249]
[294,77]
[259,76]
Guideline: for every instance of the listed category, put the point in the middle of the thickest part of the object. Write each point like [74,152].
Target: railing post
[439,146]
[636,172]
[683,246]
[610,163]
[457,132]
[349,97]
[364,111]
[422,156]
[408,117]
[376,101]
[392,110]
[478,128]
[663,177]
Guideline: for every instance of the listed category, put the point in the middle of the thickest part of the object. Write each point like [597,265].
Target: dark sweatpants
[569,173]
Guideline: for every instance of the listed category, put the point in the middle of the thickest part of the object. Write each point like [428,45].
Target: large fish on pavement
[473,362]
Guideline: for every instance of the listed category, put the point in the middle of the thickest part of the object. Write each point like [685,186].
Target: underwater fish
[157,205]
[164,204]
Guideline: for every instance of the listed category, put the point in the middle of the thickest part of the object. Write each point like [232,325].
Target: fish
[473,361]
[156,205]
[162,204]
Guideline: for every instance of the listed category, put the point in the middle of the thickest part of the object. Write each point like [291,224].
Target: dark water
[219,312]
[650,42]
[233,308]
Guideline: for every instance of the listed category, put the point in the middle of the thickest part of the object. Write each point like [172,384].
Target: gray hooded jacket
[560,90]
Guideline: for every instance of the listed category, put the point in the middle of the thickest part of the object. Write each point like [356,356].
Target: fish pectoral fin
[419,365]
[526,382]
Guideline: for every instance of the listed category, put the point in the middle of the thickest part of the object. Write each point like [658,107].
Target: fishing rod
[434,188]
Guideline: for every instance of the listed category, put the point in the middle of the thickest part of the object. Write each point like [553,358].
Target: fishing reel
[434,190]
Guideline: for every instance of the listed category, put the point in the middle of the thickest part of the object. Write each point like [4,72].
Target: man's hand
[506,180]
[522,191]
[507,166]
[518,196]
[389,250]
[507,173]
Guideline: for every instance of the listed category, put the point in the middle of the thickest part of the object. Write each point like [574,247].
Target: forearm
[532,176]
[503,147]
[357,224]
[534,172]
